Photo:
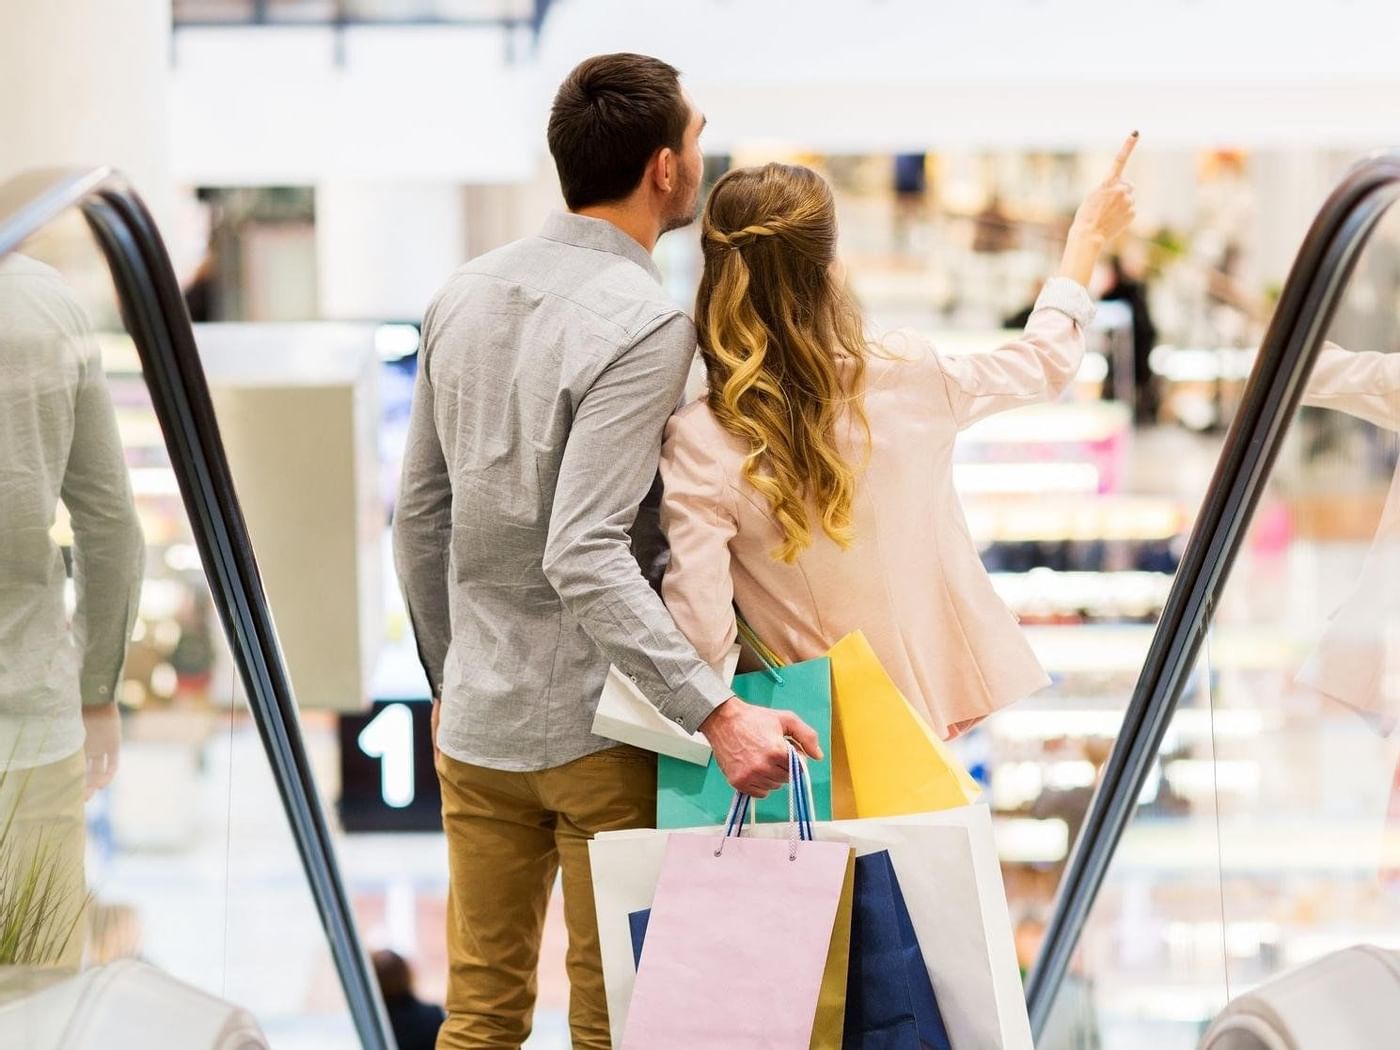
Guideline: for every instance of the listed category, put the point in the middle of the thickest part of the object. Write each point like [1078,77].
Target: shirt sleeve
[109,549]
[699,522]
[423,529]
[1033,369]
[609,463]
[1365,384]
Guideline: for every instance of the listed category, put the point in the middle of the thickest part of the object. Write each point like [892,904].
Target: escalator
[1244,824]
[1276,793]
[208,853]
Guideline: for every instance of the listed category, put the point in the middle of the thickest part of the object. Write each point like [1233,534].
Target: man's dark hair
[610,116]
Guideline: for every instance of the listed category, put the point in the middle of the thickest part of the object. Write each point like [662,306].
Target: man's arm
[608,466]
[109,559]
[109,550]
[423,531]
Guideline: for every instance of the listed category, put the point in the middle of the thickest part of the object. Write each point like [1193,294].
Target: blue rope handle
[800,806]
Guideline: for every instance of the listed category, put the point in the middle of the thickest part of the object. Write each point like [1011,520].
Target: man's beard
[690,197]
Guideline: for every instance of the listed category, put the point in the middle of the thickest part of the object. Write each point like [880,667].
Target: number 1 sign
[386,769]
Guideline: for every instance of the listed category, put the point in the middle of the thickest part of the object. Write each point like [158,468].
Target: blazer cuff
[696,700]
[1070,298]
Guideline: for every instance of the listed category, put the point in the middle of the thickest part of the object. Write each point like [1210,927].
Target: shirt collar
[586,232]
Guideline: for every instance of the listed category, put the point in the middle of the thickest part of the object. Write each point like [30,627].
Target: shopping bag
[829,1024]
[626,715]
[742,923]
[690,796]
[948,870]
[885,759]
[637,923]
[889,998]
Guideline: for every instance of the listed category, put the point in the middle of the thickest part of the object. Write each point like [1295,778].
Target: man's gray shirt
[58,441]
[547,373]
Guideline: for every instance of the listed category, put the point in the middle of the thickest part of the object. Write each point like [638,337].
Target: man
[60,730]
[548,371]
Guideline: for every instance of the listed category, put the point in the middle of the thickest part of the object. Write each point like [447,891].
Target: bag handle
[800,807]
[771,660]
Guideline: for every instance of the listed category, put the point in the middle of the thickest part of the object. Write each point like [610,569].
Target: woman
[813,486]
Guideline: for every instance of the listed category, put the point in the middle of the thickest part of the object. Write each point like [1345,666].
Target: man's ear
[663,169]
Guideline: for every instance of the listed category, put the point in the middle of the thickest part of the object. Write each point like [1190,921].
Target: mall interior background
[317,182]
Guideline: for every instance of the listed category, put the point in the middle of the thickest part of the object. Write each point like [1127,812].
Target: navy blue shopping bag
[890,1003]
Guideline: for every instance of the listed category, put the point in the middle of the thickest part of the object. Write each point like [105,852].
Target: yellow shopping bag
[886,761]
[829,1025]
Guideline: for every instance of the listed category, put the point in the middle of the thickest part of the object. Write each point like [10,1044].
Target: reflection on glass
[1357,659]
[59,729]
[144,848]
[1308,806]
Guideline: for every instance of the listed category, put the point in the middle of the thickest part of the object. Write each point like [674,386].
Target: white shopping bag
[626,715]
[951,879]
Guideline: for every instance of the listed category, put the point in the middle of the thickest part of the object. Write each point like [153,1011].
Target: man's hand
[433,723]
[102,743]
[750,744]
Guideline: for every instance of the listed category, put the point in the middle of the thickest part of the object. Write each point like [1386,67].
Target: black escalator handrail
[1305,309]
[156,318]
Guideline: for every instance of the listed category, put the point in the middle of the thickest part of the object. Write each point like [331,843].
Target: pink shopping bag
[738,936]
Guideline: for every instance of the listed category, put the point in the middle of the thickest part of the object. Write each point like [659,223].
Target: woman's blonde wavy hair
[773,319]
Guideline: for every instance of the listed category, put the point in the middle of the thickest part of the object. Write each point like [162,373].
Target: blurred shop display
[260,262]
[299,416]
[127,1005]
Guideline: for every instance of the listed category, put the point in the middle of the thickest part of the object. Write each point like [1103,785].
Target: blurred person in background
[415,1023]
[813,486]
[910,198]
[1124,286]
[60,730]
[548,370]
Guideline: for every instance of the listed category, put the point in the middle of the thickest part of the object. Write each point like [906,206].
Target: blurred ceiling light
[183,557]
[164,680]
[167,634]
[131,693]
[394,342]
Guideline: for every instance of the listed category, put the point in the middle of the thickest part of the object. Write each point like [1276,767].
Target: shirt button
[680,721]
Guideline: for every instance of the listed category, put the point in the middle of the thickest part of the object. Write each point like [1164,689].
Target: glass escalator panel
[1148,971]
[141,827]
[1309,803]
[1252,899]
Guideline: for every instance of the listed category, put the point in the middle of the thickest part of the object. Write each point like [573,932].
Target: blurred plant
[1164,247]
[39,915]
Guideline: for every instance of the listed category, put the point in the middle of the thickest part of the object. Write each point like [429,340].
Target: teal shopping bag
[689,796]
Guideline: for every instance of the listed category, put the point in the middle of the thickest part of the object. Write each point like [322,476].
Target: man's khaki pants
[508,834]
[42,826]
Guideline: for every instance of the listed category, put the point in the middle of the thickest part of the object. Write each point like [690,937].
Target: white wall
[837,75]
[272,106]
[85,83]
[384,248]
